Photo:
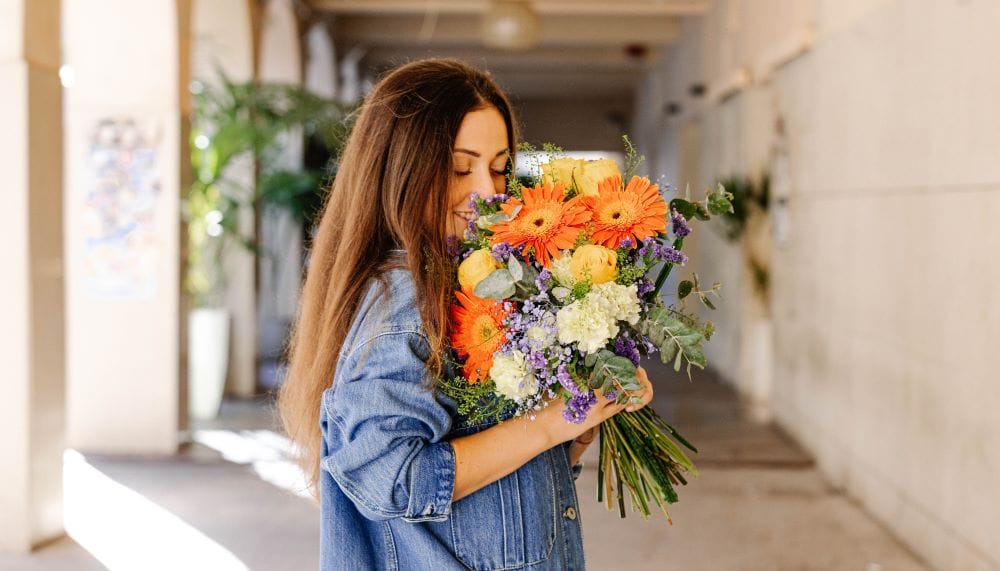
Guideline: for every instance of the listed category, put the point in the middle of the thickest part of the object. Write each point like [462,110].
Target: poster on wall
[120,247]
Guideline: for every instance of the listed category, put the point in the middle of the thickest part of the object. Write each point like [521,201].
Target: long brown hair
[391,192]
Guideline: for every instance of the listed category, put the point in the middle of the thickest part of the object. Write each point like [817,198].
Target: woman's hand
[583,433]
[485,457]
[581,442]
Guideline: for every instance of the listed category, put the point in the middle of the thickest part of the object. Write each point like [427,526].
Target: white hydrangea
[561,272]
[511,376]
[593,321]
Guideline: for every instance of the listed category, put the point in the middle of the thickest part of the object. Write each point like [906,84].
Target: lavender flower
[502,251]
[626,243]
[644,287]
[679,224]
[544,280]
[626,347]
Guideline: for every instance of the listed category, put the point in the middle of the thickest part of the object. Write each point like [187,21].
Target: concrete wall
[885,258]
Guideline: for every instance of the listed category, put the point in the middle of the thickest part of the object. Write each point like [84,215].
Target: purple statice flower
[544,280]
[679,224]
[611,395]
[577,408]
[626,347]
[625,244]
[646,247]
[502,251]
[582,400]
[668,254]
[454,246]
[644,287]
[497,199]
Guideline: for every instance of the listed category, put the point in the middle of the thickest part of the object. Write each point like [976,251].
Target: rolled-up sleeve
[388,451]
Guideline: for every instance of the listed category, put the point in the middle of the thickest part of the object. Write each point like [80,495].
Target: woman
[403,482]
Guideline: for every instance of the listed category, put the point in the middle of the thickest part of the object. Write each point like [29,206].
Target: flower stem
[665,271]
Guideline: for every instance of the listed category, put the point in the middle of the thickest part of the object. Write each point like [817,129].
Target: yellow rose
[595,262]
[592,172]
[475,268]
[560,170]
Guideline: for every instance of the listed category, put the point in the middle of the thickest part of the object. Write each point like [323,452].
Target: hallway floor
[223,503]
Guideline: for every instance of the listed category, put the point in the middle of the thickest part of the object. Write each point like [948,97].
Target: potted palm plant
[235,122]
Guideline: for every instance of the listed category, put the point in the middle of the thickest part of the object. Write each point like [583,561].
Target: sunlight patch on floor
[124,530]
[271,455]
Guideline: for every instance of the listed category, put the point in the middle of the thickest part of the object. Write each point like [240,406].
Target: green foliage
[629,273]
[477,402]
[235,122]
[748,195]
[632,159]
[678,340]
[610,372]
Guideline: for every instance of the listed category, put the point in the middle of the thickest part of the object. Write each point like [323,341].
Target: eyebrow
[477,155]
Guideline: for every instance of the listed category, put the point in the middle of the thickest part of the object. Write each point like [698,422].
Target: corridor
[758,504]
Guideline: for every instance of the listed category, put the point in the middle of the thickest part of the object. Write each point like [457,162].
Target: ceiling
[585,48]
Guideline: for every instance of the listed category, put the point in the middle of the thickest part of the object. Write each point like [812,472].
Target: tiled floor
[223,503]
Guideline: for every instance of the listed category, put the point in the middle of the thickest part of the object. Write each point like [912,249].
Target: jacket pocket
[510,524]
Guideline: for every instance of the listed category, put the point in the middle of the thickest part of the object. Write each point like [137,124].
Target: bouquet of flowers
[559,295]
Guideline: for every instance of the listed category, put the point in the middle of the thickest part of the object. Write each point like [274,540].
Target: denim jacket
[388,466]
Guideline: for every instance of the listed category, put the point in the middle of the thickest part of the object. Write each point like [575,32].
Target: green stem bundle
[638,454]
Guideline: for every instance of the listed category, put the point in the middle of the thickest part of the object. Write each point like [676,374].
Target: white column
[222,41]
[32,418]
[125,149]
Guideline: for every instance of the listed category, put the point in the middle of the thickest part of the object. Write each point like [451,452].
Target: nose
[482,184]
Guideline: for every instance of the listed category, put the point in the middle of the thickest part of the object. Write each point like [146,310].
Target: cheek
[458,195]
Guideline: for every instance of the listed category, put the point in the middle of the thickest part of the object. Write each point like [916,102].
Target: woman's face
[479,160]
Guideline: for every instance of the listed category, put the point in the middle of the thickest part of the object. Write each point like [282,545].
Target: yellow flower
[595,262]
[593,172]
[475,268]
[560,170]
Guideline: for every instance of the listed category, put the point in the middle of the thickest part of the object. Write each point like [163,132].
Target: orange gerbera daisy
[547,223]
[637,212]
[476,333]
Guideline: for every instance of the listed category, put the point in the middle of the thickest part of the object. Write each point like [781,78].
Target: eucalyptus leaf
[515,268]
[684,288]
[700,212]
[720,201]
[686,208]
[497,285]
[676,339]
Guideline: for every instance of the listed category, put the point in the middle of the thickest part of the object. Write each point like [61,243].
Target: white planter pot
[208,360]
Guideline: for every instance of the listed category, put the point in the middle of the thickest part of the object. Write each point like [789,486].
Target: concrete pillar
[280,266]
[32,418]
[222,41]
[125,147]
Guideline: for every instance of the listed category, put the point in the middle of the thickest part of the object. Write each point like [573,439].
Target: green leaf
[590,360]
[614,368]
[497,285]
[676,339]
[720,201]
[515,268]
[700,212]
[686,208]
[708,303]
[684,288]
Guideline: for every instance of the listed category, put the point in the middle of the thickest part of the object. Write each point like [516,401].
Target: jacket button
[570,513]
